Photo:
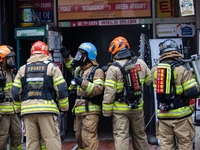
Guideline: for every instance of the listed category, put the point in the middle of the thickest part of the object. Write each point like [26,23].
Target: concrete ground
[105,143]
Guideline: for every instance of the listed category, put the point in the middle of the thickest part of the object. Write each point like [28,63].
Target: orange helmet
[39,47]
[117,44]
[6,51]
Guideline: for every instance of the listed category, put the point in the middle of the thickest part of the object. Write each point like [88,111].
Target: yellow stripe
[189,84]
[81,109]
[63,102]
[111,83]
[176,112]
[118,106]
[58,80]
[38,107]
[89,88]
[68,64]
[107,106]
[98,81]
[7,108]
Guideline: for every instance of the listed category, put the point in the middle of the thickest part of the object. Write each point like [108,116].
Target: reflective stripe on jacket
[114,84]
[6,105]
[87,88]
[36,106]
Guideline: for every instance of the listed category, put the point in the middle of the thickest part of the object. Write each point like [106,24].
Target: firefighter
[121,103]
[34,89]
[10,124]
[87,105]
[174,112]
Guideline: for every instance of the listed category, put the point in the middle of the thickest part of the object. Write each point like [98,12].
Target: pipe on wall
[154,18]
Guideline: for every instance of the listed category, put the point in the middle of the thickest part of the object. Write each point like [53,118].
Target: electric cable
[150,119]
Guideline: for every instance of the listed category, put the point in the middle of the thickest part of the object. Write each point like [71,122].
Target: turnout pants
[45,125]
[86,131]
[183,129]
[10,125]
[125,125]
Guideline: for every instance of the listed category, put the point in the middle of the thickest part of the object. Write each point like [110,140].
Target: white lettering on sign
[65,8]
[93,7]
[138,6]
[42,5]
[46,15]
[121,6]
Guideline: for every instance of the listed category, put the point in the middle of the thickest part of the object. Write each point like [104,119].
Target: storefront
[99,22]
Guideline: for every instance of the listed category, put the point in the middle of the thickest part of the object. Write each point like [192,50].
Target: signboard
[165,8]
[167,30]
[57,57]
[186,30]
[59,65]
[43,9]
[93,9]
[174,30]
[104,22]
[154,44]
[30,33]
[186,7]
[54,40]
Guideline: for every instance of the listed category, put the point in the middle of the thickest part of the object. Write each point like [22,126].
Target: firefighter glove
[65,53]
[78,80]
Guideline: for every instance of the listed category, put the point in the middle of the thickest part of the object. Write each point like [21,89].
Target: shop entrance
[101,38]
[25,49]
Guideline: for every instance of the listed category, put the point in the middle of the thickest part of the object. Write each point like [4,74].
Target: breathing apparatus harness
[2,83]
[166,88]
[132,87]
[96,99]
[36,84]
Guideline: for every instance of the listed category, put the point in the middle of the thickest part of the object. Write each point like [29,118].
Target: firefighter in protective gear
[9,121]
[35,87]
[174,114]
[126,121]
[87,111]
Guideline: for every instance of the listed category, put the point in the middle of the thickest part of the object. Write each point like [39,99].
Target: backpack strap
[91,74]
[90,77]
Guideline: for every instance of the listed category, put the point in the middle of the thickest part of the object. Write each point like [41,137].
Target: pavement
[103,145]
[106,142]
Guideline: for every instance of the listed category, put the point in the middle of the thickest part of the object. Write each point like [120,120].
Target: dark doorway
[25,48]
[101,38]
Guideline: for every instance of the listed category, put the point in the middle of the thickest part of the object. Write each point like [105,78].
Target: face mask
[10,63]
[79,59]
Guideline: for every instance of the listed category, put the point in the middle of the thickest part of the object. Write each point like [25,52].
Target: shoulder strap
[92,72]
[173,65]
[117,65]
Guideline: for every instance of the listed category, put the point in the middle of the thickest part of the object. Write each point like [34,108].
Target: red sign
[135,79]
[103,7]
[91,9]
[160,80]
[138,67]
[59,63]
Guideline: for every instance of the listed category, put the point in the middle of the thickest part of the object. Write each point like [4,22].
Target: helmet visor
[10,62]
[79,58]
